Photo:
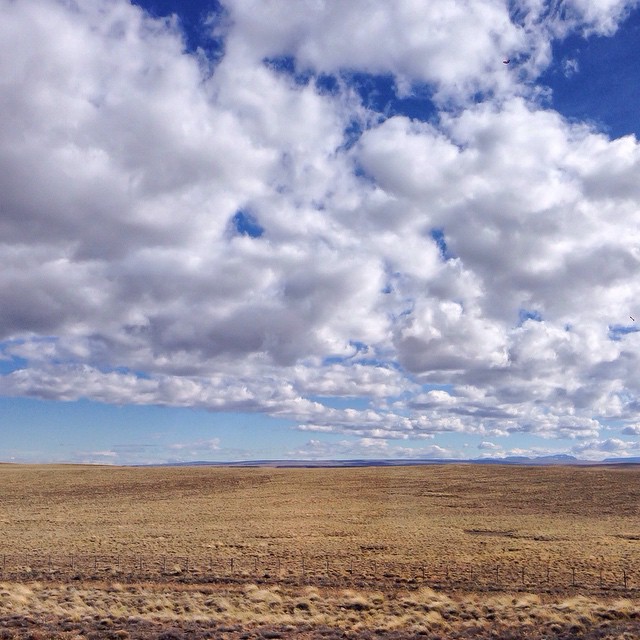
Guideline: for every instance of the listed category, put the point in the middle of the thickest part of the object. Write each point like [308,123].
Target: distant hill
[556,459]
[635,460]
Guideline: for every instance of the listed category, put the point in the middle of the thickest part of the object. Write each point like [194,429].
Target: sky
[240,230]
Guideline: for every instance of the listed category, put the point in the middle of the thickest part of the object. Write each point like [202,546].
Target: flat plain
[437,550]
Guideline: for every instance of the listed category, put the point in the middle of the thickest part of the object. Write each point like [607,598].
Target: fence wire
[320,570]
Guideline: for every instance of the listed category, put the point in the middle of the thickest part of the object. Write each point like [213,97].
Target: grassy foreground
[456,551]
[39,610]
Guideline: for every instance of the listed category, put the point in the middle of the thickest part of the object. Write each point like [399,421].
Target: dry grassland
[354,550]
[114,610]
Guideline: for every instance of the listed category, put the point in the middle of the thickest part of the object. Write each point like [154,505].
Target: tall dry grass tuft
[352,611]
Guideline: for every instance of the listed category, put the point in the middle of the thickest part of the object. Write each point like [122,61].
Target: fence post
[470,570]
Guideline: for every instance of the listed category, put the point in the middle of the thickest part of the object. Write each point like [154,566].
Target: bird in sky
[632,318]
[506,61]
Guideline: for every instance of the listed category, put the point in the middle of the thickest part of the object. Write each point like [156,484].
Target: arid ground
[438,551]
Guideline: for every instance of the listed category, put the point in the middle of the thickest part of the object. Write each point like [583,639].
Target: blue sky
[239,231]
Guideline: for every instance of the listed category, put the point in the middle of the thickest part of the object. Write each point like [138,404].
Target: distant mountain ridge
[555,459]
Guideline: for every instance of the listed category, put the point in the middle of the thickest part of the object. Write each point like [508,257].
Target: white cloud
[611,447]
[433,398]
[598,16]
[570,66]
[366,448]
[632,430]
[124,279]
[197,447]
[458,47]
[354,380]
[489,446]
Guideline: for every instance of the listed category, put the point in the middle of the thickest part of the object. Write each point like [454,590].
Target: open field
[484,537]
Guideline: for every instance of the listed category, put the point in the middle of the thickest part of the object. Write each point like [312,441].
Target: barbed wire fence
[322,570]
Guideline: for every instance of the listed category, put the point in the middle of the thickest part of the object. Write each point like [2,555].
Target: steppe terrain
[438,551]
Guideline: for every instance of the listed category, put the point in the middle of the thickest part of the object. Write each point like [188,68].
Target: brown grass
[290,531]
[148,610]
[585,516]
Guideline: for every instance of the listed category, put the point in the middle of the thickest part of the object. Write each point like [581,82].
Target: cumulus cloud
[366,448]
[473,273]
[612,447]
[455,49]
[489,446]
[451,46]
[597,17]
